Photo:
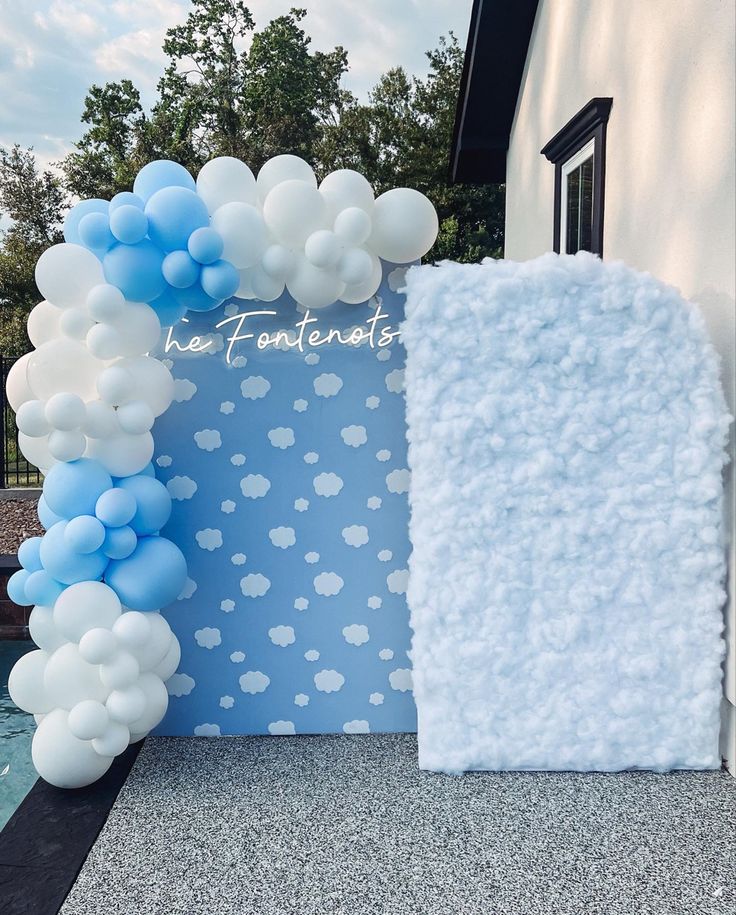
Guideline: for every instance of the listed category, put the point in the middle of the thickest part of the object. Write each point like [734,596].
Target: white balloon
[405,226]
[36,452]
[88,719]
[135,417]
[132,628]
[101,421]
[346,188]
[43,323]
[104,341]
[154,649]
[98,645]
[312,287]
[75,323]
[116,385]
[26,683]
[65,411]
[121,671]
[139,329]
[62,759]
[226,180]
[278,261]
[38,718]
[83,606]
[245,289]
[126,705]
[354,295]
[31,419]
[66,273]
[115,739]
[265,287]
[353,225]
[292,211]
[105,302]
[167,667]
[69,679]
[42,629]
[17,388]
[67,446]
[355,267]
[154,383]
[122,455]
[283,168]
[244,233]
[63,365]
[157,701]
[323,248]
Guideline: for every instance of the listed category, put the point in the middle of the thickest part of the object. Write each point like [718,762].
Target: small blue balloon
[128,224]
[77,213]
[115,507]
[205,245]
[65,564]
[94,231]
[159,174]
[29,554]
[153,501]
[125,199]
[152,577]
[173,214]
[119,542]
[169,311]
[45,515]
[195,298]
[220,280]
[42,589]
[85,534]
[180,269]
[136,270]
[73,488]
[17,587]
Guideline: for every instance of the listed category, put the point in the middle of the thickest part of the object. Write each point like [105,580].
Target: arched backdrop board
[288,473]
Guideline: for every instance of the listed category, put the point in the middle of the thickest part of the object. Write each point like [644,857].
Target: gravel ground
[18,521]
[347,825]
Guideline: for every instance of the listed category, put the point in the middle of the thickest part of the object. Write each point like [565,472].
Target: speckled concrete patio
[348,824]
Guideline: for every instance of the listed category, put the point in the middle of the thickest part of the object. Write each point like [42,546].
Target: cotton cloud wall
[566,441]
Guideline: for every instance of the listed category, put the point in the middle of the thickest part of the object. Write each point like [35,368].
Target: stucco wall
[670,165]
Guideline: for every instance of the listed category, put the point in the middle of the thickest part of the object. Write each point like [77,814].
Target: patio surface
[348,824]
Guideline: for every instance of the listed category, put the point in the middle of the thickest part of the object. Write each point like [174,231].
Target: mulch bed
[18,521]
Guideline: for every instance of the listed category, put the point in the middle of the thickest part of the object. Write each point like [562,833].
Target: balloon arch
[87,397]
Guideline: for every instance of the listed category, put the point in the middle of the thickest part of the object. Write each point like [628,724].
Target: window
[578,153]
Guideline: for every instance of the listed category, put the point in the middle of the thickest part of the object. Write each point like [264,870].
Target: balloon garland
[87,396]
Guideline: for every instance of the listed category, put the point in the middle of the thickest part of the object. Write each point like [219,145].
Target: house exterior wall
[670,191]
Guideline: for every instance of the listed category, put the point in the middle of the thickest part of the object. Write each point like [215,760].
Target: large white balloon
[405,226]
[88,719]
[244,233]
[167,667]
[353,295]
[62,759]
[69,679]
[66,273]
[36,452]
[346,188]
[226,180]
[280,169]
[294,210]
[26,683]
[63,365]
[43,323]
[17,388]
[101,421]
[154,649]
[313,287]
[84,606]
[157,701]
[154,383]
[123,455]
[42,629]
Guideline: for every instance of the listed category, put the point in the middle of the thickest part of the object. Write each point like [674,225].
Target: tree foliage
[230,89]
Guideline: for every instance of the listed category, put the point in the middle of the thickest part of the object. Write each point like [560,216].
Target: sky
[52,50]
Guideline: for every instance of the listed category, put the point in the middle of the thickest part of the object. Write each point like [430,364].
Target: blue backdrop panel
[288,473]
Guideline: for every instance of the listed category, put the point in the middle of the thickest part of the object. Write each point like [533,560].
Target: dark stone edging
[45,843]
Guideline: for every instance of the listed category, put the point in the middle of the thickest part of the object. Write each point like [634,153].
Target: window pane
[580,208]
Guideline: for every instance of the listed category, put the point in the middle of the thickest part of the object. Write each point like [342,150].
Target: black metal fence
[14,468]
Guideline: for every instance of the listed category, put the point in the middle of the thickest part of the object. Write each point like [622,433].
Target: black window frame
[590,123]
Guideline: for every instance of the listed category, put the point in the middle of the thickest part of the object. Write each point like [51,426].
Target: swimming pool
[17,774]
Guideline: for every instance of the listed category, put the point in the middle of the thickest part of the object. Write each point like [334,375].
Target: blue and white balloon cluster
[87,396]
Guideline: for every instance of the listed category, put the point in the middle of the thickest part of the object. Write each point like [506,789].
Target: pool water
[17,774]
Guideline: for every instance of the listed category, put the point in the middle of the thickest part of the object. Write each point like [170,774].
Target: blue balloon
[42,589]
[85,533]
[29,554]
[152,577]
[17,587]
[136,270]
[220,280]
[65,564]
[124,199]
[115,507]
[180,269]
[173,214]
[205,245]
[94,231]
[119,542]
[45,515]
[195,298]
[153,501]
[169,311]
[75,216]
[73,488]
[159,174]
[128,224]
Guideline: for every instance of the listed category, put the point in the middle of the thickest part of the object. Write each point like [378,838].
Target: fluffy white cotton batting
[566,440]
